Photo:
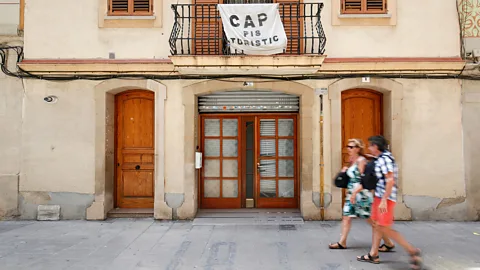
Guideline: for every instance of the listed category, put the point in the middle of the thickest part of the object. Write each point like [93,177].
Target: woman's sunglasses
[351,146]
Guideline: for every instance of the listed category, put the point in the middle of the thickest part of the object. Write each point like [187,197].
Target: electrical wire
[21,73]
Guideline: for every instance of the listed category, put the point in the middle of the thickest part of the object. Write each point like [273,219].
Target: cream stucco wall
[433,163]
[58,139]
[471,126]
[11,98]
[433,138]
[417,32]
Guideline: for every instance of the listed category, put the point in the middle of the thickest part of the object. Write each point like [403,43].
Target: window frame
[130,11]
[363,10]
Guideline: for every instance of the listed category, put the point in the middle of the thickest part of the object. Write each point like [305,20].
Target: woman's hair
[358,143]
[379,141]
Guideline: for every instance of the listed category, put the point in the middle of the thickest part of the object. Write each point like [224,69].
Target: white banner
[255,29]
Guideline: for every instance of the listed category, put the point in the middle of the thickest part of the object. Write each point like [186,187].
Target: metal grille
[248,101]
[197,30]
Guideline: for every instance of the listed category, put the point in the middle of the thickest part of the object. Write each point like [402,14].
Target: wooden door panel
[137,184]
[134,184]
[362,116]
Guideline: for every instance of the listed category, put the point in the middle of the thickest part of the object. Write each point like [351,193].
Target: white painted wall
[72,31]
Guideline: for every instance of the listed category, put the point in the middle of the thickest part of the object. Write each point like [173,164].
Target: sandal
[369,258]
[338,246]
[385,248]
[416,260]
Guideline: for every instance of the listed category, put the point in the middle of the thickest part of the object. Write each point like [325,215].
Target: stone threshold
[130,213]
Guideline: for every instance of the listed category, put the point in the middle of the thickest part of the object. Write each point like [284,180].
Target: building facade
[118,97]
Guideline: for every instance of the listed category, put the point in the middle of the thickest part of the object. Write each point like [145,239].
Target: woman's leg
[346,225]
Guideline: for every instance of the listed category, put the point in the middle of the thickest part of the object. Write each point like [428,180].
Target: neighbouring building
[470,48]
[11,96]
[118,96]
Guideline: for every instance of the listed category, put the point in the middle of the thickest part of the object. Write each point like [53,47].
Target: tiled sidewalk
[149,244]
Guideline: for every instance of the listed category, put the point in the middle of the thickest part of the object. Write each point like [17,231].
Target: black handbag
[341,180]
[369,178]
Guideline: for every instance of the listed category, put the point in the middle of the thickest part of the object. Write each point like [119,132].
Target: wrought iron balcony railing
[197,30]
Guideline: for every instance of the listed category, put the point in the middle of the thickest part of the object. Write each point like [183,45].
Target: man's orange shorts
[385,219]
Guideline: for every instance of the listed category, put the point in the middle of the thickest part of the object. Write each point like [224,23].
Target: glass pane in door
[268,188]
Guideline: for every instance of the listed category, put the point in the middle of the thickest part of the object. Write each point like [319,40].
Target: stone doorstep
[130,213]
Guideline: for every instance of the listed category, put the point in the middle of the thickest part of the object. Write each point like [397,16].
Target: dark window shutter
[290,12]
[364,6]
[352,6]
[119,6]
[207,35]
[376,6]
[143,6]
[130,7]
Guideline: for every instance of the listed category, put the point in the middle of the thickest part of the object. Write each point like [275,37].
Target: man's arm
[387,170]
[389,185]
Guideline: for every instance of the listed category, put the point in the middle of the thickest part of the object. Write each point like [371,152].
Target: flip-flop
[388,249]
[337,247]
[369,258]
[416,260]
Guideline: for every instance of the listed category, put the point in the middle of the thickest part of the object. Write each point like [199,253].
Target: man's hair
[379,141]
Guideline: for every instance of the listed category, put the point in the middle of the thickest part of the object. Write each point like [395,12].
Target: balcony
[198,42]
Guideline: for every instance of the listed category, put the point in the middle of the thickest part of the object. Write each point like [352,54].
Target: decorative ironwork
[197,30]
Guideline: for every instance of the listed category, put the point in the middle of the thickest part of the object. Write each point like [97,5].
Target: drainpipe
[322,197]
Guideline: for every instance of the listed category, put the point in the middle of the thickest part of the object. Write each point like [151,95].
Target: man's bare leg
[398,238]
[387,241]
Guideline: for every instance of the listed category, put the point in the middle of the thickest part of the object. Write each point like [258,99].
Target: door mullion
[276,158]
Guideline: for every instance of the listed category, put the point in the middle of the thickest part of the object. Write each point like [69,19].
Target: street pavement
[148,244]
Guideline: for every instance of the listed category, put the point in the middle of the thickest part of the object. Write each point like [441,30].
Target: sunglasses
[351,146]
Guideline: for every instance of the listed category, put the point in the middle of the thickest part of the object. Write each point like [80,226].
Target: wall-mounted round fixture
[50,99]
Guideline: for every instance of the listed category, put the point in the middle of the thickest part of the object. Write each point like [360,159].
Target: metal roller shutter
[248,101]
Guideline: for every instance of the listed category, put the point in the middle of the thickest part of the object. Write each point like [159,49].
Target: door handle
[137,167]
[259,167]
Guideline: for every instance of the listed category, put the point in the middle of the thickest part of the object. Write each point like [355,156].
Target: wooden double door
[249,158]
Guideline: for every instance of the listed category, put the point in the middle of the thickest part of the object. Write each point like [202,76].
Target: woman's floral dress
[363,203]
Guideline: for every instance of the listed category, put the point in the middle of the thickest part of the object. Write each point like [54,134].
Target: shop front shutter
[248,101]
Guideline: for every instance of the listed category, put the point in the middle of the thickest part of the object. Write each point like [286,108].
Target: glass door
[277,177]
[219,185]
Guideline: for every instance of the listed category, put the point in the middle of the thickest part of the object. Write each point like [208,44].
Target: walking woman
[358,201]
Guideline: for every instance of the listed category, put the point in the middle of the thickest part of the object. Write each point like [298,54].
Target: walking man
[384,204]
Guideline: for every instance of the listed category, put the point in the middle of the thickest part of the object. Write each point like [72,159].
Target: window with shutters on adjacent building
[130,7]
[364,6]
